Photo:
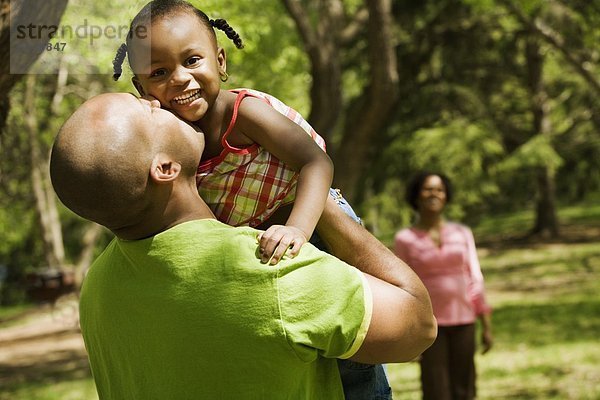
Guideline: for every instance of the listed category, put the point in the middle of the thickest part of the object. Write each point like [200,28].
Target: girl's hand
[275,241]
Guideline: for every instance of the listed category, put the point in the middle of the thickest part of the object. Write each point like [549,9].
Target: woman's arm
[291,144]
[487,338]
[477,293]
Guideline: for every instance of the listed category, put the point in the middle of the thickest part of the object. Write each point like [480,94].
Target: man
[179,305]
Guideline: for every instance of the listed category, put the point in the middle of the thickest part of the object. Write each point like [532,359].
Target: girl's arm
[291,144]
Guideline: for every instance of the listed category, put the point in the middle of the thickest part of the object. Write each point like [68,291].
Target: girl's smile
[187,98]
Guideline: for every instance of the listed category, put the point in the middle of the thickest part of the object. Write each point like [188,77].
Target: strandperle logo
[42,42]
[85,31]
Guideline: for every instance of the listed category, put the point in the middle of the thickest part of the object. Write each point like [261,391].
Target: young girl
[263,165]
[259,159]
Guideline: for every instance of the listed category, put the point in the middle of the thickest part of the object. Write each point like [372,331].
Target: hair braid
[118,61]
[222,25]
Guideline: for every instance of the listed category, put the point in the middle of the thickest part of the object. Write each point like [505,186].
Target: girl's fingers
[295,247]
[279,240]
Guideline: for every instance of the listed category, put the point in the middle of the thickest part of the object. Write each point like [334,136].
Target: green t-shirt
[191,313]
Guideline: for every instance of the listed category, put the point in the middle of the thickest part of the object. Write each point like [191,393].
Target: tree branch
[369,114]
[351,31]
[556,40]
[300,17]
[382,54]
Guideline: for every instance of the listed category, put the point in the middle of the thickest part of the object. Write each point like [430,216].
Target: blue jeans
[360,381]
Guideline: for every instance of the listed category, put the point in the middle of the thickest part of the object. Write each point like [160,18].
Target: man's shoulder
[211,233]
[200,237]
[208,228]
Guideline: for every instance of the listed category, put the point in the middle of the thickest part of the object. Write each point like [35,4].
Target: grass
[516,224]
[546,321]
[8,313]
[77,389]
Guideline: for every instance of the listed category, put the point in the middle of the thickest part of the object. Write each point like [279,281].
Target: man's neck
[179,209]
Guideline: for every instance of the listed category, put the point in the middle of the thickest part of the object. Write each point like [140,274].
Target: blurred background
[501,95]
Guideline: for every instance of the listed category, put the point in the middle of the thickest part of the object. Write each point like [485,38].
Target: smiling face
[168,133]
[184,65]
[432,196]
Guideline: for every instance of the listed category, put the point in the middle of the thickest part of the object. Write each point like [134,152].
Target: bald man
[179,306]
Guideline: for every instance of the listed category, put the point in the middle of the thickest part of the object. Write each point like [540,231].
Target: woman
[443,254]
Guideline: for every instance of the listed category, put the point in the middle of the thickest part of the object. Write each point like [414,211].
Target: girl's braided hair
[160,8]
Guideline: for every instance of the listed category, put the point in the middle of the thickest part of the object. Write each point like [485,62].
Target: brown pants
[448,366]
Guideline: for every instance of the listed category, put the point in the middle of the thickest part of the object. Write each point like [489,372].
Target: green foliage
[81,70]
[385,213]
[537,152]
[272,60]
[462,150]
[467,103]
[465,106]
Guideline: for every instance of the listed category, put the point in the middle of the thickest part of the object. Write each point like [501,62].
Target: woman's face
[432,196]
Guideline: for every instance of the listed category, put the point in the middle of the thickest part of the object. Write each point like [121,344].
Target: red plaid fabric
[245,186]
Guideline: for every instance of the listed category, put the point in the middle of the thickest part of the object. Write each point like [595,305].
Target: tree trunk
[546,221]
[20,53]
[365,117]
[44,195]
[321,42]
[364,120]
[88,241]
[45,198]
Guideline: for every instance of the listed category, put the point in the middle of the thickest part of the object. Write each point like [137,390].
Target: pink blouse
[451,272]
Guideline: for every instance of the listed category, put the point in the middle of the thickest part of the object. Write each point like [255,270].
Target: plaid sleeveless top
[244,187]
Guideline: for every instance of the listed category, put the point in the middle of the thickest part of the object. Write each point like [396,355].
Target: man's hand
[275,241]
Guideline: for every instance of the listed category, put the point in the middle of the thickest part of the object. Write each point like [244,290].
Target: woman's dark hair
[416,183]
[160,8]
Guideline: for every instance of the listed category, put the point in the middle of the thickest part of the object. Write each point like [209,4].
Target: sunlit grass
[9,312]
[517,224]
[552,371]
[79,389]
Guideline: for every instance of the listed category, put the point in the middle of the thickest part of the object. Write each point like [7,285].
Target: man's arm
[402,325]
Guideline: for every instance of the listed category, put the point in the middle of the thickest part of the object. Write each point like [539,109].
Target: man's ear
[164,169]
[138,86]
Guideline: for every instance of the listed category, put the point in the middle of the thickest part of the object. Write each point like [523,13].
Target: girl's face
[432,197]
[179,64]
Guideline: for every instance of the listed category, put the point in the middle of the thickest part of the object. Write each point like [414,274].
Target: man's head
[118,160]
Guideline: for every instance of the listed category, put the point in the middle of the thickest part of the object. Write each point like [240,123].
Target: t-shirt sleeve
[325,305]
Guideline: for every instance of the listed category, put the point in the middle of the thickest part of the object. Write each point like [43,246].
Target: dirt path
[43,345]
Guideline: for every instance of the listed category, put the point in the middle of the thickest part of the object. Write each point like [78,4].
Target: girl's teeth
[187,98]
